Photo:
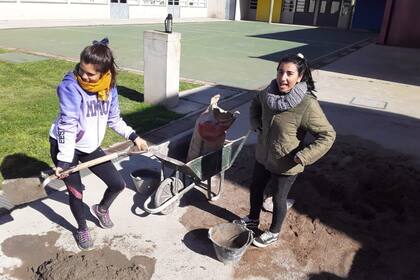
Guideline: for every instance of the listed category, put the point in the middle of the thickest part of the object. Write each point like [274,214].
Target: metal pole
[271,11]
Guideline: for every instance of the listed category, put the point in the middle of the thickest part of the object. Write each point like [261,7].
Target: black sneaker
[103,217]
[265,239]
[83,239]
[247,222]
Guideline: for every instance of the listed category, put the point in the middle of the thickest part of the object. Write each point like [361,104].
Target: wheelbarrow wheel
[167,189]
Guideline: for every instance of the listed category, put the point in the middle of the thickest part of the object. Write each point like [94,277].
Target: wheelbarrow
[196,173]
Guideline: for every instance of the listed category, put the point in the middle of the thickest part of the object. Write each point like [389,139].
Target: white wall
[191,12]
[57,11]
[30,11]
[148,12]
[216,9]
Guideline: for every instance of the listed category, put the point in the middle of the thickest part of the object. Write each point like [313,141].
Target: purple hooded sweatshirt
[82,120]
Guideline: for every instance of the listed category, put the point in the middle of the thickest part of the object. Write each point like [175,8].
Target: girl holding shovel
[88,103]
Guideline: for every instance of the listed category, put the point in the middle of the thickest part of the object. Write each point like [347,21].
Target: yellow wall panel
[263,10]
[277,10]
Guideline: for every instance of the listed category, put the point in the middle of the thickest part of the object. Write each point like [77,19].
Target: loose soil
[41,259]
[356,216]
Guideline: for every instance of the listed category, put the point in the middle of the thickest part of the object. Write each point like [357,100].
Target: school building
[397,21]
[100,9]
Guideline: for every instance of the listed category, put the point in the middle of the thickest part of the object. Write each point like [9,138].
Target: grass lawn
[29,104]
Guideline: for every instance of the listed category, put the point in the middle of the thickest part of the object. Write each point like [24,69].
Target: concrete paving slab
[186,106]
[369,103]
[202,95]
[374,83]
[378,62]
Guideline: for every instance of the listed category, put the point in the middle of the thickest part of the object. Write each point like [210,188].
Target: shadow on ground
[197,241]
[131,94]
[20,165]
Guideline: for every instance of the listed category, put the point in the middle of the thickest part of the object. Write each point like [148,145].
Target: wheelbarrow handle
[244,138]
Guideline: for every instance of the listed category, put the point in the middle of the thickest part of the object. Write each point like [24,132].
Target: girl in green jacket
[282,114]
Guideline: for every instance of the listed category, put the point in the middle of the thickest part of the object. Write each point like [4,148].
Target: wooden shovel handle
[99,160]
[92,162]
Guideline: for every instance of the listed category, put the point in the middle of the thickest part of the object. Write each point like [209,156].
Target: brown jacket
[281,135]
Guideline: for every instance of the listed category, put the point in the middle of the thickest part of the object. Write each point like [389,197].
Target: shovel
[23,190]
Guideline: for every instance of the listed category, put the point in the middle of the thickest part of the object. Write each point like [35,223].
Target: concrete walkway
[362,94]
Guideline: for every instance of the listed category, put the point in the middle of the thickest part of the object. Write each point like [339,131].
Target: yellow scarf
[101,87]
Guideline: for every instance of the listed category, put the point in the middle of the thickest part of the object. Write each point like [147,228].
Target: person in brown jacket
[282,114]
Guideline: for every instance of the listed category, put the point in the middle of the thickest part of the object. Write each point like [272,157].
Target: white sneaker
[265,239]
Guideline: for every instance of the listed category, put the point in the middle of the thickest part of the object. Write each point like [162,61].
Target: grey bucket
[230,241]
[145,180]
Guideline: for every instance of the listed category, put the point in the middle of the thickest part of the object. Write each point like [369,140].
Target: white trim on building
[99,9]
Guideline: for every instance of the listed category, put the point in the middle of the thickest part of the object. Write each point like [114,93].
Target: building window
[253,4]
[300,6]
[150,2]
[335,7]
[42,1]
[192,3]
[305,6]
[289,5]
[311,6]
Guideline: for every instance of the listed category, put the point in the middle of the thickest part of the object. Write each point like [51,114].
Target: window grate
[253,4]
[193,3]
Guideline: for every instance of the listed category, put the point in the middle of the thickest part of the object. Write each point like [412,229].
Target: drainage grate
[371,103]
[20,57]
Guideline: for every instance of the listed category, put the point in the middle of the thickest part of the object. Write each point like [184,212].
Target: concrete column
[238,10]
[271,11]
[162,56]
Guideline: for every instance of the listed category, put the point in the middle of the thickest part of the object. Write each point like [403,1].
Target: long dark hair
[303,68]
[101,55]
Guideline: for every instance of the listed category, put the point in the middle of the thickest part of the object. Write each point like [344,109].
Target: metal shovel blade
[23,190]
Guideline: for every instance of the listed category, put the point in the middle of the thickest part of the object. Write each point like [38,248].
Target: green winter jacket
[281,135]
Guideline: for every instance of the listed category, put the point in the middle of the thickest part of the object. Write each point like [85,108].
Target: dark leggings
[281,185]
[105,171]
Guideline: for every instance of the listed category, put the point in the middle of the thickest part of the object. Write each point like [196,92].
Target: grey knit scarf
[279,102]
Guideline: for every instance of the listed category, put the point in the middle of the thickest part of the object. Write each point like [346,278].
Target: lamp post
[168,24]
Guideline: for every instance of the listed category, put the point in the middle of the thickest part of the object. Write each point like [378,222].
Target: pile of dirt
[50,263]
[355,217]
[96,265]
